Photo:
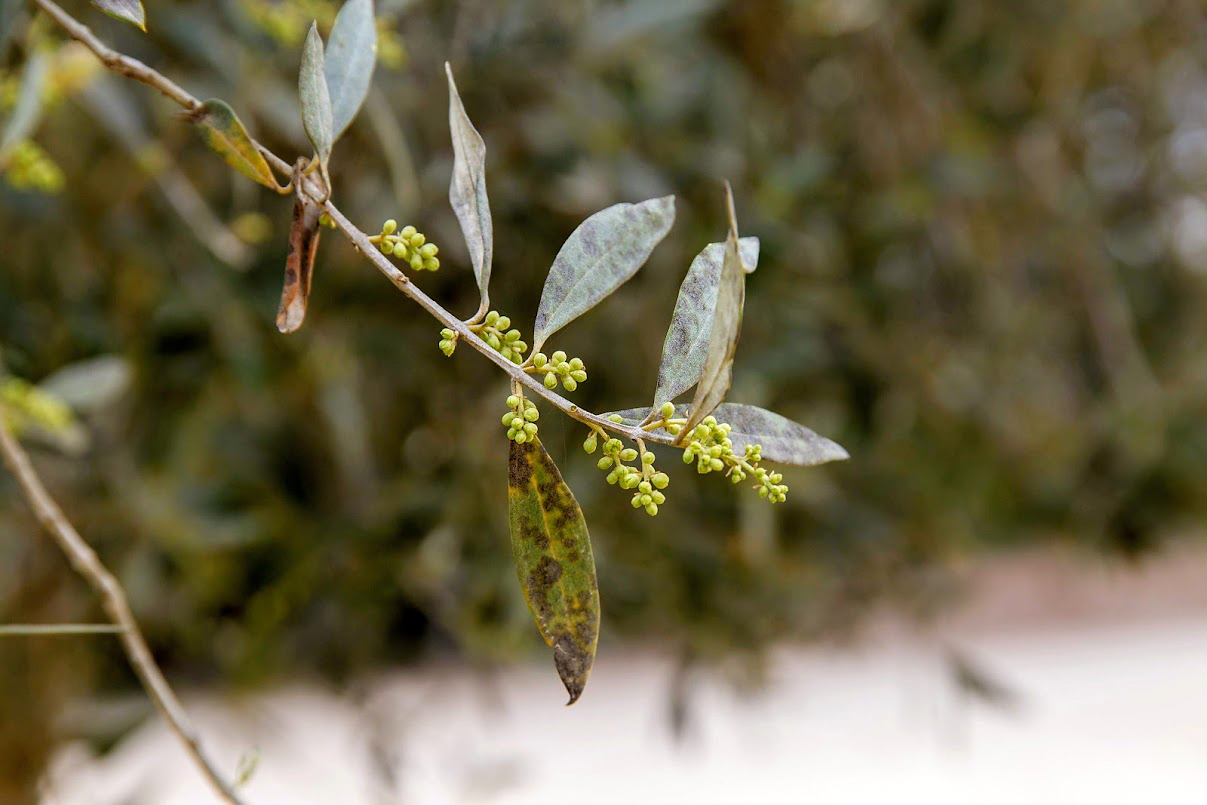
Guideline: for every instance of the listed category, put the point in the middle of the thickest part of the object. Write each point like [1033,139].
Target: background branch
[113,599]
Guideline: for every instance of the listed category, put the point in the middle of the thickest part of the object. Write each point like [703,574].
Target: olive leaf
[552,553]
[28,108]
[686,345]
[598,258]
[350,57]
[726,325]
[223,132]
[783,441]
[130,11]
[316,101]
[467,191]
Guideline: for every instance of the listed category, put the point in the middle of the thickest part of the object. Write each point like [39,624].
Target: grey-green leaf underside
[686,346]
[316,101]
[467,191]
[350,56]
[783,441]
[130,11]
[599,256]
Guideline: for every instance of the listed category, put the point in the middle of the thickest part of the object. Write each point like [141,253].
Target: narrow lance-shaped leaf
[130,11]
[726,325]
[467,191]
[316,102]
[598,258]
[222,131]
[783,441]
[350,56]
[686,345]
[552,553]
[25,114]
[304,231]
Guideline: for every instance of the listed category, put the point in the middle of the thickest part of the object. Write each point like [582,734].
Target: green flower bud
[628,454]
[530,428]
[658,497]
[531,414]
[520,346]
[636,501]
[688,456]
[710,421]
[416,262]
[550,381]
[576,364]
[667,410]
[645,487]
[578,376]
[539,360]
[590,444]
[400,250]
[558,357]
[429,250]
[389,226]
[386,247]
[763,492]
[651,509]
[431,263]
[569,385]
[492,318]
[417,239]
[674,429]
[631,480]
[447,333]
[507,352]
[521,437]
[507,417]
[616,418]
[604,463]
[736,478]
[503,323]
[660,480]
[511,432]
[702,467]
[407,232]
[776,477]
[716,464]
[647,458]
[493,340]
[612,477]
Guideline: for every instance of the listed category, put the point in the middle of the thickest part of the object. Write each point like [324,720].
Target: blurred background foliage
[983,272]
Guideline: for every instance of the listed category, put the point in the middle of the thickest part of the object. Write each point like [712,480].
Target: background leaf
[25,114]
[597,258]
[552,552]
[726,325]
[316,102]
[350,57]
[686,346]
[467,192]
[130,11]
[222,131]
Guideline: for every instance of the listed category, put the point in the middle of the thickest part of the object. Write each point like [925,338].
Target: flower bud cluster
[408,245]
[647,484]
[495,330]
[712,451]
[668,423]
[448,341]
[520,421]
[556,369]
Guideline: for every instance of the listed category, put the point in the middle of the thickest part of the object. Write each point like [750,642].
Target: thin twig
[56,629]
[113,600]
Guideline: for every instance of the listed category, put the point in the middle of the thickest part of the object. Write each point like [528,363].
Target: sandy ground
[1108,670]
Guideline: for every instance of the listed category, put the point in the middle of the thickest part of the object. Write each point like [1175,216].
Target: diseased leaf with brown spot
[686,346]
[726,325]
[222,131]
[304,230]
[598,258]
[467,191]
[130,11]
[552,553]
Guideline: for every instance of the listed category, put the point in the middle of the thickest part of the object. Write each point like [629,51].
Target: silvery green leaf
[130,11]
[467,192]
[597,258]
[91,384]
[686,345]
[350,57]
[316,102]
[25,113]
[783,440]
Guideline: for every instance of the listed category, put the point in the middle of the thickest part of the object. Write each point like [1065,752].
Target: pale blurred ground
[1107,666]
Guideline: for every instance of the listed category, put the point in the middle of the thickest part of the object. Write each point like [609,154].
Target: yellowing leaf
[130,11]
[598,258]
[552,553]
[223,132]
[467,191]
